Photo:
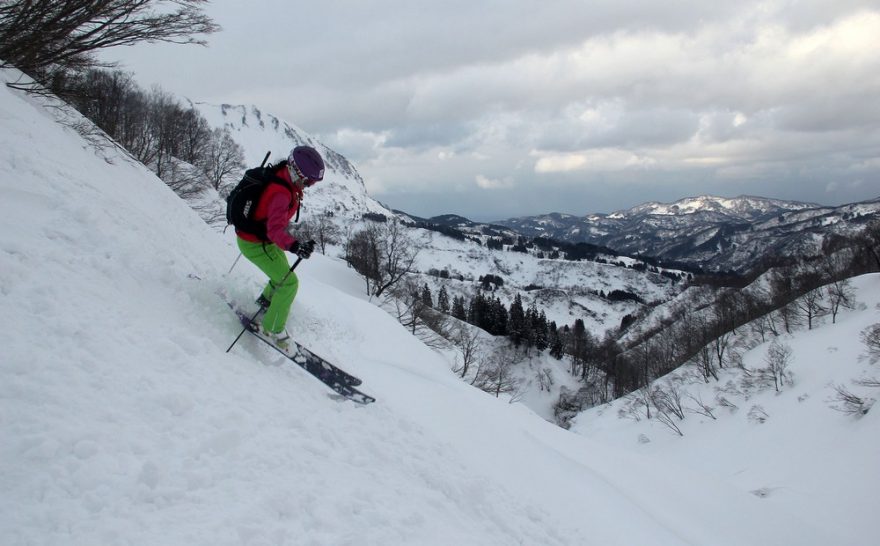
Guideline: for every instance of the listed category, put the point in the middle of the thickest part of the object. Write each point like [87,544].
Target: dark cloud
[426,135]
[596,103]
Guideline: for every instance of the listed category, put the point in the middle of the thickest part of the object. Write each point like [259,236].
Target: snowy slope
[790,448]
[125,422]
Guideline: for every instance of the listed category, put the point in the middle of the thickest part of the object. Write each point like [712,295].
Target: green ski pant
[282,286]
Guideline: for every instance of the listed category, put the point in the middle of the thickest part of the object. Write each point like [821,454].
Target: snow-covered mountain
[124,421]
[714,233]
[342,191]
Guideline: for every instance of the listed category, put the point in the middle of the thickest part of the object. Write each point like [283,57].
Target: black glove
[303,250]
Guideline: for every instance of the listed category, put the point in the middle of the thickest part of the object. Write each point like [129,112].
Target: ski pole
[234,264]
[253,318]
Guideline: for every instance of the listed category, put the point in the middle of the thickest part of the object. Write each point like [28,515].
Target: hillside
[795,448]
[125,422]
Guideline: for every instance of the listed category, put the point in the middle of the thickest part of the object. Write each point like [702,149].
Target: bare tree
[424,322]
[495,376]
[669,398]
[383,254]
[322,230]
[45,37]
[664,417]
[104,97]
[840,294]
[810,306]
[763,326]
[362,253]
[783,292]
[545,379]
[706,364]
[665,407]
[185,179]
[720,345]
[172,139]
[778,358]
[702,407]
[467,340]
[222,159]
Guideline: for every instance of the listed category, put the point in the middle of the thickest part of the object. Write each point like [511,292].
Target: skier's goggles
[296,173]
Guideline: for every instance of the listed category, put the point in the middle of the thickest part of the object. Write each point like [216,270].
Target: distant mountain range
[712,233]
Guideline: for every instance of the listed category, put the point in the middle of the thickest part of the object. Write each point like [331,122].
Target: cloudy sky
[499,108]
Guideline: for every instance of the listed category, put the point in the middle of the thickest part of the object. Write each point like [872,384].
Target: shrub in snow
[871,338]
[757,415]
[850,403]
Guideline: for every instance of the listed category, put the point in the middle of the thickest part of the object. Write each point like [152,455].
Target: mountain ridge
[723,234]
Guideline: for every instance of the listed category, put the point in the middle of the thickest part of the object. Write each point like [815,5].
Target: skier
[276,206]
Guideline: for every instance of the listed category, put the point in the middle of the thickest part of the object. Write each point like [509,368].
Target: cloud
[493,184]
[606,159]
[471,96]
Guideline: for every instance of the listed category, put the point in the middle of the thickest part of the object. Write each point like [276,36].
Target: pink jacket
[277,206]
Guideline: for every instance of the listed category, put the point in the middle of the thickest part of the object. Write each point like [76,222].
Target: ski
[340,381]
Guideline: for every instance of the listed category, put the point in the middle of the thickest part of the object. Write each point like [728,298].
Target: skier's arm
[278,220]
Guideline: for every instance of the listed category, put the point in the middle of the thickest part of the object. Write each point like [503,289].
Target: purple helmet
[308,163]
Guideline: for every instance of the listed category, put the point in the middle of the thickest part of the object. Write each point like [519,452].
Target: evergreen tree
[426,297]
[501,317]
[458,309]
[472,312]
[516,324]
[475,311]
[530,333]
[577,346]
[556,346]
[542,336]
[443,300]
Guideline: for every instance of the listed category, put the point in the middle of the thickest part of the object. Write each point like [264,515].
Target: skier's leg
[282,286]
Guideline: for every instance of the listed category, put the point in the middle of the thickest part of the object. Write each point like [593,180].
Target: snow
[124,421]
[805,457]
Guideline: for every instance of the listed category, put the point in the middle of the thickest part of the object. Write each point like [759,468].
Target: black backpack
[241,205]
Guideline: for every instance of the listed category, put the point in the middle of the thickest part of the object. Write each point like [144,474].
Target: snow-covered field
[124,421]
